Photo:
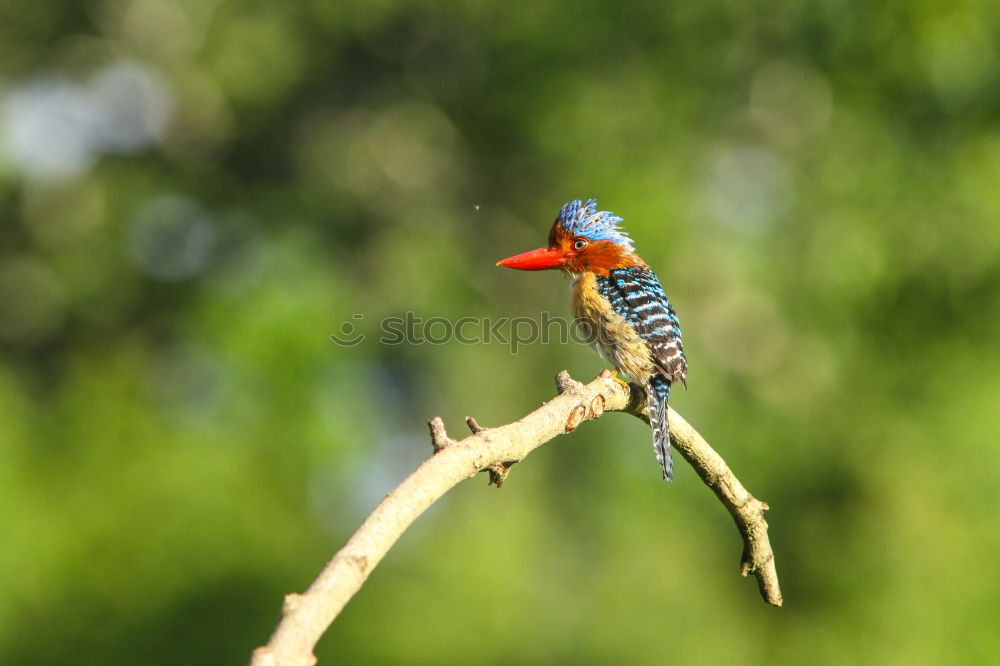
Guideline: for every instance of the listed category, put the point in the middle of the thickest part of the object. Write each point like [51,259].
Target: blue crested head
[584,220]
[583,239]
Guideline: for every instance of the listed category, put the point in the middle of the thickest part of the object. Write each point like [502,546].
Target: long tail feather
[657,395]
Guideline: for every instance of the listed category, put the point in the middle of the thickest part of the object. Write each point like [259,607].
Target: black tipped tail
[657,395]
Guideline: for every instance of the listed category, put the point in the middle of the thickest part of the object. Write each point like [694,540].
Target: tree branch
[306,616]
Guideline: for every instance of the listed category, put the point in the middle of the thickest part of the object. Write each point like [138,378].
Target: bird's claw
[621,382]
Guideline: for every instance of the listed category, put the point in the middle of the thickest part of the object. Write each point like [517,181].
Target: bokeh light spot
[746,188]
[55,129]
[133,106]
[172,238]
[47,126]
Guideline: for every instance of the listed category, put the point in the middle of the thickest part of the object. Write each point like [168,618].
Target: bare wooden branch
[746,510]
[473,425]
[439,436]
[305,617]
[566,383]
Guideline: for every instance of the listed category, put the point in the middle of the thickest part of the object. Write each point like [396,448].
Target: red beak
[536,260]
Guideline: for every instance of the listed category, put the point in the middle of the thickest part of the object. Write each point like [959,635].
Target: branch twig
[306,616]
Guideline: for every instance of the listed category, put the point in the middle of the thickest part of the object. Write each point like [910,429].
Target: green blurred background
[195,195]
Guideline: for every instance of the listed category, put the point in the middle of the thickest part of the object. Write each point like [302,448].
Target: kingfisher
[619,302]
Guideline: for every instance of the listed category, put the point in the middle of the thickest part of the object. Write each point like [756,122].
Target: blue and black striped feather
[657,396]
[636,294]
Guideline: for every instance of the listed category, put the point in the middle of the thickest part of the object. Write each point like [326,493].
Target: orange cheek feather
[600,258]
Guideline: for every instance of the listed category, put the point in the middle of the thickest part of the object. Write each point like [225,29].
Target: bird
[618,300]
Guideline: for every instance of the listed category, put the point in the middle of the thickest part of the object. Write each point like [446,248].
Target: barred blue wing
[636,294]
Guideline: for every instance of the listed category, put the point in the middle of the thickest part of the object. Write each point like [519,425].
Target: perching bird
[619,301]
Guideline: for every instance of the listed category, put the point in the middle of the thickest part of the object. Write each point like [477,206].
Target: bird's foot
[622,382]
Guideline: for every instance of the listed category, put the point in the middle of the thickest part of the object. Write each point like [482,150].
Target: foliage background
[194,195]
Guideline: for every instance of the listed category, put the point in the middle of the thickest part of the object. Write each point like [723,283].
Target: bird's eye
[579,244]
